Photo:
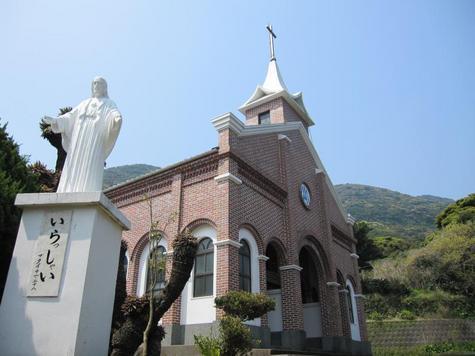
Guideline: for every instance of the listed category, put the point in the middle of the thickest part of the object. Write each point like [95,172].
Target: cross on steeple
[271,42]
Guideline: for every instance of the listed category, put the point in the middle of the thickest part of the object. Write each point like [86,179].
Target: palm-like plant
[55,140]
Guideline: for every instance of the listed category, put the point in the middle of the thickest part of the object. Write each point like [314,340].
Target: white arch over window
[352,308]
[127,264]
[143,266]
[245,234]
[199,310]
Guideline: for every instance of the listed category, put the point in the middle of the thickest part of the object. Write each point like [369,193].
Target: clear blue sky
[389,84]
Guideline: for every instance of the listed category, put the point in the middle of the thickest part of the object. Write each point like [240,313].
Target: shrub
[237,338]
[245,305]
[239,306]
[438,302]
[208,345]
[383,286]
[407,315]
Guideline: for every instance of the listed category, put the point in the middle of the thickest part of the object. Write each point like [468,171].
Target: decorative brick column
[293,334]
[263,283]
[171,319]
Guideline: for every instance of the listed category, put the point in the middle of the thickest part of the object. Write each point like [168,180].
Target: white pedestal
[77,321]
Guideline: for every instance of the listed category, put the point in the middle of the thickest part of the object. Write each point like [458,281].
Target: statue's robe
[88,133]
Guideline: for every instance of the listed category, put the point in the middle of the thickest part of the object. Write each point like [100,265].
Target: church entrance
[274,289]
[309,281]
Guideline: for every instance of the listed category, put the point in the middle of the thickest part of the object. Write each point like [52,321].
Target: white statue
[88,133]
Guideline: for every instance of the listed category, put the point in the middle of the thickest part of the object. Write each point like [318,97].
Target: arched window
[349,302]
[204,267]
[156,270]
[308,278]
[272,268]
[245,267]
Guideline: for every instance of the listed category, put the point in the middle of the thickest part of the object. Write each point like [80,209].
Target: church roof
[274,87]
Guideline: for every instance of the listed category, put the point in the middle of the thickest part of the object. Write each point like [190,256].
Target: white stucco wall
[245,234]
[201,309]
[275,316]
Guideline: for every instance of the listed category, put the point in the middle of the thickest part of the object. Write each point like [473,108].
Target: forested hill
[116,175]
[392,213]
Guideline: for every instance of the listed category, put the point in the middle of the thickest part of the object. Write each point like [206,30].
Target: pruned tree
[140,333]
[55,140]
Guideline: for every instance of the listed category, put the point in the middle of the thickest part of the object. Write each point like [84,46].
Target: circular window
[305,195]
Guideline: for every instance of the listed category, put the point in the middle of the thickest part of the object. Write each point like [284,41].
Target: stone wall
[419,332]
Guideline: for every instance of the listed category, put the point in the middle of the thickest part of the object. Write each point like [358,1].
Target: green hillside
[392,213]
[116,175]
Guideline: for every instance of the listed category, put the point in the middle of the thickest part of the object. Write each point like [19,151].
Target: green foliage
[389,246]
[15,177]
[234,336]
[447,346]
[406,314]
[446,262]
[237,338]
[245,305]
[365,246]
[383,286]
[423,302]
[120,174]
[460,212]
[208,345]
[390,213]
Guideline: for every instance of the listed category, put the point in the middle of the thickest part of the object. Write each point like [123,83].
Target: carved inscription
[48,258]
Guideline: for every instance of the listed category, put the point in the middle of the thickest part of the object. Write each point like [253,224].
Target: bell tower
[271,102]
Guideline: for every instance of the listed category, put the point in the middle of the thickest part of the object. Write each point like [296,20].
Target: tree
[235,337]
[460,212]
[365,246]
[129,336]
[55,140]
[15,177]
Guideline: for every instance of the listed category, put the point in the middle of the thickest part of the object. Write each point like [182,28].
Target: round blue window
[305,195]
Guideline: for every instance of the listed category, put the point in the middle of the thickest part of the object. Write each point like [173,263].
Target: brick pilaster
[292,309]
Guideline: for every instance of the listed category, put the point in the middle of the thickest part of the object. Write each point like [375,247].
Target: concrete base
[293,339]
[77,321]
[184,334]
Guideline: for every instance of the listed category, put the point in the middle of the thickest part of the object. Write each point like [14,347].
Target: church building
[268,220]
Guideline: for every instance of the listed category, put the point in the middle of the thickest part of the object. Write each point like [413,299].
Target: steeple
[274,90]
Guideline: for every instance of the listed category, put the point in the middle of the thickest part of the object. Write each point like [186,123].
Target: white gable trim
[230,121]
[257,100]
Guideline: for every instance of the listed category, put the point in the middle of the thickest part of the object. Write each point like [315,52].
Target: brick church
[268,220]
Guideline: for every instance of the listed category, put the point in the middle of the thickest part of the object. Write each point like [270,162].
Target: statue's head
[99,88]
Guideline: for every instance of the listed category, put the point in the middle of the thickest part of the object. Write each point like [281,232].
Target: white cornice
[227,242]
[333,284]
[230,121]
[263,258]
[354,255]
[227,177]
[295,267]
[269,97]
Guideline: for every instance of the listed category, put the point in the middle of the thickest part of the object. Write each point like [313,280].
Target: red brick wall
[267,201]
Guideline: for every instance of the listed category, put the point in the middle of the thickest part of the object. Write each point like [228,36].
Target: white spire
[274,82]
